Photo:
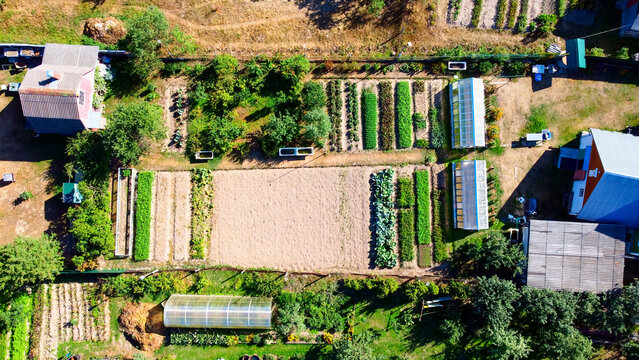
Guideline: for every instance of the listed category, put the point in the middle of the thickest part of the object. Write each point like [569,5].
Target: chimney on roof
[53,75]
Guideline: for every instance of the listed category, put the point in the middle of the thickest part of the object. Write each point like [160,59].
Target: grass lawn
[233,352]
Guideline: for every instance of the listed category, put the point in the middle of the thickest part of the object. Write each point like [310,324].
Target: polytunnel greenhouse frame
[217,312]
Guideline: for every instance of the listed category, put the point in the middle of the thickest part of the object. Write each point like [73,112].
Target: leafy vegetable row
[384,219]
[369,111]
[404,121]
[143,216]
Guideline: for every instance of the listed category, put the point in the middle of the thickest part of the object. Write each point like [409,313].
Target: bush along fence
[369,112]
[422,186]
[384,219]
[334,107]
[352,113]
[143,216]
[404,121]
[387,115]
[201,210]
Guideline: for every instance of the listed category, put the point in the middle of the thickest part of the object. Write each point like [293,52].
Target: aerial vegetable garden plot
[384,219]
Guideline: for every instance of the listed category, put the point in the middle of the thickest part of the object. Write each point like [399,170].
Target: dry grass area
[245,27]
[36,166]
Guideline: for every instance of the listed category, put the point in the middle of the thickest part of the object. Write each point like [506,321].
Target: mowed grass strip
[422,187]
[143,216]
[369,112]
[404,121]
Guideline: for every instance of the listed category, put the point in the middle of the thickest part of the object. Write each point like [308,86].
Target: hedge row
[353,112]
[439,247]
[512,13]
[201,210]
[422,187]
[369,112]
[386,115]
[404,123]
[477,12]
[405,193]
[143,216]
[334,107]
[19,333]
[406,219]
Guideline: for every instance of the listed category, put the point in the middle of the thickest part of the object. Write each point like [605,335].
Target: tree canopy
[146,32]
[490,255]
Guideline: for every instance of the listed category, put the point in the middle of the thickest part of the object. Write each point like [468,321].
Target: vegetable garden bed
[143,216]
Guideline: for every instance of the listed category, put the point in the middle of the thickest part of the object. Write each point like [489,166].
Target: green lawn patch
[405,193]
[538,119]
[422,187]
[143,216]
[369,111]
[404,123]
[406,220]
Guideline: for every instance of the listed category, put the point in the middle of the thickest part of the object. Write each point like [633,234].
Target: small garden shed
[467,113]
[217,311]
[470,195]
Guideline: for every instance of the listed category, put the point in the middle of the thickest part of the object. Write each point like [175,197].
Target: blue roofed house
[467,113]
[606,178]
[57,96]
[470,195]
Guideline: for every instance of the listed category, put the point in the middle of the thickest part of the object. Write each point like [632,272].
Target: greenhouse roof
[467,113]
[470,195]
[217,311]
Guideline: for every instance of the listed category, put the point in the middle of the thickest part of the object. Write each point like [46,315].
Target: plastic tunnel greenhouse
[217,311]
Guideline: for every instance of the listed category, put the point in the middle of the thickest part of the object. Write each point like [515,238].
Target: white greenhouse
[467,113]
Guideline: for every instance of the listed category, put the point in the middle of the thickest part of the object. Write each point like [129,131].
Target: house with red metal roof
[57,96]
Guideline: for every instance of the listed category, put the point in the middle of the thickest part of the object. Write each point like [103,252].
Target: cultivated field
[171,217]
[490,8]
[65,315]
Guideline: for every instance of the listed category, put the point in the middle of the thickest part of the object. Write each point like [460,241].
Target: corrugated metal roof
[467,113]
[614,200]
[618,152]
[49,106]
[575,256]
[470,195]
[70,55]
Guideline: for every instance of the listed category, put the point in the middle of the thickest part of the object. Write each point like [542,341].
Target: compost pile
[108,30]
[143,323]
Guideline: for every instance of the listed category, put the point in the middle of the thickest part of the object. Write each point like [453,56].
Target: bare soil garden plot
[307,219]
[489,10]
[66,315]
[171,217]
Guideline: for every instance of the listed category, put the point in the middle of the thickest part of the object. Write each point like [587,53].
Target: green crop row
[404,123]
[353,112]
[439,247]
[477,12]
[405,193]
[201,210]
[522,19]
[502,5]
[334,107]
[19,333]
[369,111]
[386,115]
[143,216]
[406,229]
[512,13]
[437,133]
[455,5]
[422,187]
[384,218]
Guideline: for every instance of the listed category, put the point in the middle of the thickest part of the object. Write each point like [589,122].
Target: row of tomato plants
[201,210]
[384,218]
[143,216]
[353,112]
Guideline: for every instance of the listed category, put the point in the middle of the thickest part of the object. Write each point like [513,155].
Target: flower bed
[386,114]
[384,219]
[353,113]
[369,111]
[422,186]
[201,210]
[404,123]
[334,107]
[143,216]
[406,219]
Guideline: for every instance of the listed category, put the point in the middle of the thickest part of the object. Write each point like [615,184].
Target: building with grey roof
[470,195]
[57,96]
[606,178]
[575,256]
[467,113]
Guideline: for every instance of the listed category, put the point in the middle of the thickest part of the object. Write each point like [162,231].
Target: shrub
[486,67]
[406,219]
[353,112]
[437,133]
[404,123]
[422,186]
[317,126]
[369,112]
[476,12]
[143,216]
[375,7]
[522,19]
[419,120]
[313,95]
[545,24]
[623,54]
[512,13]
[25,195]
[384,218]
[386,114]
[201,210]
[405,193]
[501,13]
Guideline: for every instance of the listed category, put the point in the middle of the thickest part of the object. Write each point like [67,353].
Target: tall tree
[507,344]
[147,32]
[493,300]
[28,261]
